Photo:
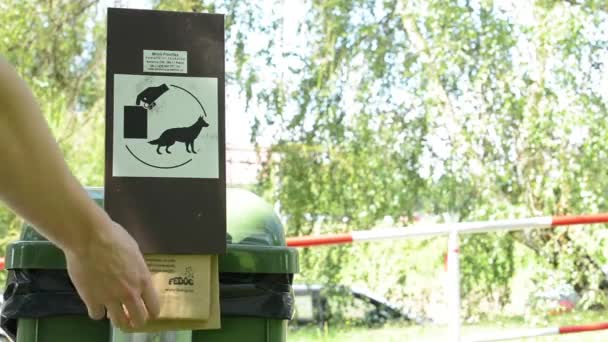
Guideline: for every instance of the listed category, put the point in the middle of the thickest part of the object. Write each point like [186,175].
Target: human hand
[110,274]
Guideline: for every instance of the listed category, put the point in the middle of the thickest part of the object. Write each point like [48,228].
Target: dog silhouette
[187,135]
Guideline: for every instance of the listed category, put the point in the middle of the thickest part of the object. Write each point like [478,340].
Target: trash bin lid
[255,240]
[251,220]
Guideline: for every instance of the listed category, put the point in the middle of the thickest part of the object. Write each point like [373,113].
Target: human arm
[104,262]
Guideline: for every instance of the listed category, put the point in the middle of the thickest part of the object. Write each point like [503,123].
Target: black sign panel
[165,162]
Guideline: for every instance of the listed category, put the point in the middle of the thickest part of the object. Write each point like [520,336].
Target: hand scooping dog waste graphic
[151,94]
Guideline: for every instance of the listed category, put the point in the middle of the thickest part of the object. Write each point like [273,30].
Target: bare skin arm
[104,262]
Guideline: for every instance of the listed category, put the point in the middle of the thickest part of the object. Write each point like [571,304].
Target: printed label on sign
[165,126]
[175,62]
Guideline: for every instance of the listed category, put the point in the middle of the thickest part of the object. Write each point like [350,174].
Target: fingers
[137,312]
[150,298]
[116,314]
[96,311]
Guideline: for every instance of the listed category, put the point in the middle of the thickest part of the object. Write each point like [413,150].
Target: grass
[440,333]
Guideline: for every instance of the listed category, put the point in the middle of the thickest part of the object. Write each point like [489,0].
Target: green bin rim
[238,258]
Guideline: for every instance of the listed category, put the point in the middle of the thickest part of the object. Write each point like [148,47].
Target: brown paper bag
[183,285]
[185,306]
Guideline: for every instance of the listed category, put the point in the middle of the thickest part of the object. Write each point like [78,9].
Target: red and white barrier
[538,332]
[446,228]
[453,264]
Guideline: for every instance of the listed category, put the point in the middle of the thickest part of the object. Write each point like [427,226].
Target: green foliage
[486,271]
[475,109]
[58,49]
[184,5]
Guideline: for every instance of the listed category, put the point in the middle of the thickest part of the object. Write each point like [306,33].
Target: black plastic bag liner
[34,293]
[257,295]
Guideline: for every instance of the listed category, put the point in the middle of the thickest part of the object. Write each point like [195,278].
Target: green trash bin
[256,273]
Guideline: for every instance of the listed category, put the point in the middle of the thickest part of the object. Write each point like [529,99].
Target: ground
[439,333]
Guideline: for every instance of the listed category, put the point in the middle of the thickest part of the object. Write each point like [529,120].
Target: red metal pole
[302,241]
[579,219]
